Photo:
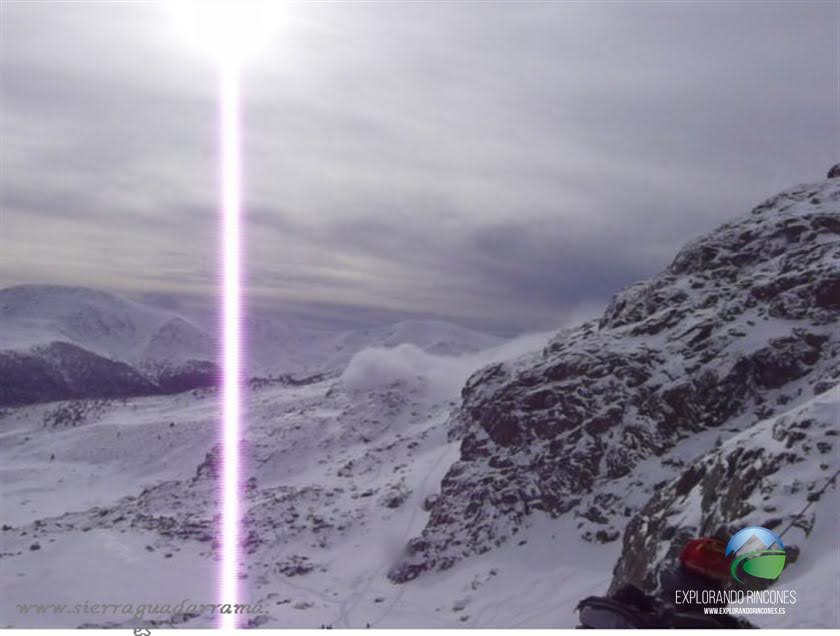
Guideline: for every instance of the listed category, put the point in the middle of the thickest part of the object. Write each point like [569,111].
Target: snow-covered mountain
[73,342]
[63,371]
[743,325]
[103,323]
[471,484]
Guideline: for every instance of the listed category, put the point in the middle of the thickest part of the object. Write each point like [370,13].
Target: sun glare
[231,303]
[227,31]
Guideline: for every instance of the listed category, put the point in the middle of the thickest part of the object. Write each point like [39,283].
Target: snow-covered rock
[764,476]
[743,325]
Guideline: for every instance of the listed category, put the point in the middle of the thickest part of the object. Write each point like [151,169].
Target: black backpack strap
[597,612]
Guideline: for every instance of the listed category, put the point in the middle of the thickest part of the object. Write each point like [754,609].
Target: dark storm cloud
[504,162]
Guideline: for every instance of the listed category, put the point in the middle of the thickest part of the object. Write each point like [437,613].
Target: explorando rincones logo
[756,551]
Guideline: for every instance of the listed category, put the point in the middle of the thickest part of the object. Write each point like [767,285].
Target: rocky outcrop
[741,326]
[764,476]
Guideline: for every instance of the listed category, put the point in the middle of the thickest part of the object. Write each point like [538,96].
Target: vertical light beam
[231,210]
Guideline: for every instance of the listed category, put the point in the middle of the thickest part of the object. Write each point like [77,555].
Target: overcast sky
[505,163]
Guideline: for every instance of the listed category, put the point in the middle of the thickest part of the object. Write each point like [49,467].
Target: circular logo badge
[756,551]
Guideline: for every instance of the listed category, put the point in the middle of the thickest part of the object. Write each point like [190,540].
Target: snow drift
[440,377]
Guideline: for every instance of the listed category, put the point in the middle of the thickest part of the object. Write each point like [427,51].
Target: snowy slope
[338,478]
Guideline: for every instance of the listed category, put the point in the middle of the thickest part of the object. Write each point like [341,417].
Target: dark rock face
[834,173]
[62,371]
[744,321]
[755,478]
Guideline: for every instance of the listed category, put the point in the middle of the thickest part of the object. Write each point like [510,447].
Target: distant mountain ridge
[61,342]
[64,371]
[106,324]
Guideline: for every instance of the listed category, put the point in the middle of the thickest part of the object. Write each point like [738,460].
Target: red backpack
[706,556]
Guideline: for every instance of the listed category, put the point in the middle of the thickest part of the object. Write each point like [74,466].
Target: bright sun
[227,31]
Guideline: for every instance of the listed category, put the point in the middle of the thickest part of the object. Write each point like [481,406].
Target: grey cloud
[501,162]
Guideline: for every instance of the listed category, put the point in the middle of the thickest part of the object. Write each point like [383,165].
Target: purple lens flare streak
[231,211]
